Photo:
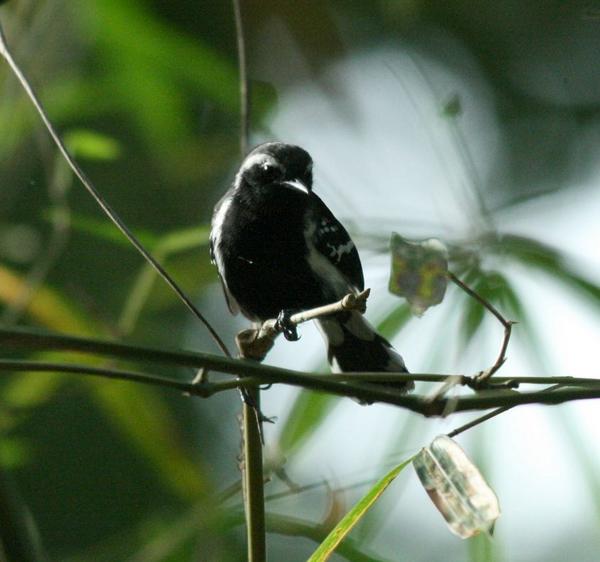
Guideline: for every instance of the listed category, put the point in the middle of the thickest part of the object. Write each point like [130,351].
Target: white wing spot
[326,228]
[339,251]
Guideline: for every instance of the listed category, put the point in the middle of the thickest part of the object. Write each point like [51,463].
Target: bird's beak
[297,184]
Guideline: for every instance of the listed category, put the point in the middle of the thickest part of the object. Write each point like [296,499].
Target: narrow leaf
[19,536]
[307,414]
[457,488]
[104,230]
[140,415]
[551,261]
[394,321]
[92,145]
[348,522]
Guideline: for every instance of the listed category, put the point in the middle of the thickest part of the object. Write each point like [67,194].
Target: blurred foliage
[146,94]
[347,523]
[306,415]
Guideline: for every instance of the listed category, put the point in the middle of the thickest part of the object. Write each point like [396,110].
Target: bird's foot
[285,326]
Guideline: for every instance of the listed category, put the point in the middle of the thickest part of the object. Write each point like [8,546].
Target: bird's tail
[355,346]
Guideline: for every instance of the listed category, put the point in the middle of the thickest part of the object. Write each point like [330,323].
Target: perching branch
[255,343]
[112,215]
[254,373]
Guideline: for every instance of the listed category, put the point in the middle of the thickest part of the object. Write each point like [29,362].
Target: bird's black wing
[332,240]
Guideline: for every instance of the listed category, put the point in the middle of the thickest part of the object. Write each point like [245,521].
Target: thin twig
[490,415]
[252,458]
[4,51]
[507,324]
[245,116]
[16,365]
[261,374]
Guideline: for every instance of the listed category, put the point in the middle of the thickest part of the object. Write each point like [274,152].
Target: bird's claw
[285,326]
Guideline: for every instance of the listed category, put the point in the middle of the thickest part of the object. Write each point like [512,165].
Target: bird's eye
[264,172]
[269,172]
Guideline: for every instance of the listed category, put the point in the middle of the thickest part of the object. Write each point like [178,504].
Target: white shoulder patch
[323,267]
[217,229]
[215,237]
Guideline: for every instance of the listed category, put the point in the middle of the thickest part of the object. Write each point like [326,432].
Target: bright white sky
[384,155]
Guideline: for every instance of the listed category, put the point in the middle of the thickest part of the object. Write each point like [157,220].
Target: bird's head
[276,162]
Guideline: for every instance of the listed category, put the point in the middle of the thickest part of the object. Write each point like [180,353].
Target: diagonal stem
[112,215]
[252,454]
[245,108]
[507,324]
[490,415]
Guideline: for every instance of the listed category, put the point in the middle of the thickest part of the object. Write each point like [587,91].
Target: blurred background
[475,122]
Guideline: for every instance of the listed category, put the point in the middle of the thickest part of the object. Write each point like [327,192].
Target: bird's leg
[285,325]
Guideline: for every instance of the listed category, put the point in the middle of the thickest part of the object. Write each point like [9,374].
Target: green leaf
[419,272]
[14,451]
[481,548]
[306,416]
[394,321]
[184,239]
[473,314]
[586,460]
[105,230]
[481,444]
[48,308]
[493,287]
[173,243]
[142,416]
[92,145]
[352,549]
[472,311]
[19,538]
[347,523]
[170,53]
[457,488]
[547,259]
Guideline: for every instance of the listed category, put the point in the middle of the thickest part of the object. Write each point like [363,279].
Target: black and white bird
[279,248]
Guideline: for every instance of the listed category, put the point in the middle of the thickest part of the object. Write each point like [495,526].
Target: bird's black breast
[263,252]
